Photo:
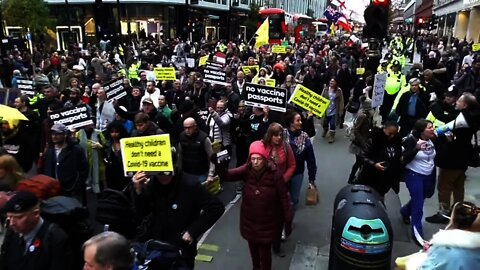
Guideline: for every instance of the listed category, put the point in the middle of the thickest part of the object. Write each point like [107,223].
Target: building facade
[92,20]
[89,21]
[458,18]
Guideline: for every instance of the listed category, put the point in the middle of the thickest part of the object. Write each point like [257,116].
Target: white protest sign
[378,89]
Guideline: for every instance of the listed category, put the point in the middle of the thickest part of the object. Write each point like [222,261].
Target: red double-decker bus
[277,26]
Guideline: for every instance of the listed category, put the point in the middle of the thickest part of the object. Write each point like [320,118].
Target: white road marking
[230,204]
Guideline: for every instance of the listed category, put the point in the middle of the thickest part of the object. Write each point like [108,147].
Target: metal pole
[412,56]
[2,33]
[119,27]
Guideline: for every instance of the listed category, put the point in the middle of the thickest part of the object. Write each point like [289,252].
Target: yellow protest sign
[203,60]
[279,49]
[476,47]
[246,69]
[150,154]
[360,71]
[309,100]
[165,74]
[270,82]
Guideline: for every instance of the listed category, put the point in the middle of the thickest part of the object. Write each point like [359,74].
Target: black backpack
[155,255]
[70,215]
[116,210]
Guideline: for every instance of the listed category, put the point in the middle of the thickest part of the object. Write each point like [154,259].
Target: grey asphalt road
[308,246]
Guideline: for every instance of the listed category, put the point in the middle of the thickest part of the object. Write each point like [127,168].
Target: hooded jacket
[453,250]
[265,203]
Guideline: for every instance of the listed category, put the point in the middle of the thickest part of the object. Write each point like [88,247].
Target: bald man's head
[190,126]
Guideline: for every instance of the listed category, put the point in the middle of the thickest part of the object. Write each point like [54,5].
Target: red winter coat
[265,204]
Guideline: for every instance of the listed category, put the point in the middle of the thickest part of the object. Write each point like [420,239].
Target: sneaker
[437,218]
[280,252]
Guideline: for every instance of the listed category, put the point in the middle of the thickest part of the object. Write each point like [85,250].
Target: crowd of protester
[270,149]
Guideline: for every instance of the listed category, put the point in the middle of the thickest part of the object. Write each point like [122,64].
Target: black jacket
[380,149]
[52,251]
[176,208]
[70,169]
[158,118]
[421,105]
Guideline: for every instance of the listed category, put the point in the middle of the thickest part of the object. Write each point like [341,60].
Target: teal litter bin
[362,236]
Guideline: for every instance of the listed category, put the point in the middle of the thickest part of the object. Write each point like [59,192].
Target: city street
[308,246]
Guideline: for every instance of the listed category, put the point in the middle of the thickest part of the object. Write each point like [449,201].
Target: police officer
[395,81]
[32,243]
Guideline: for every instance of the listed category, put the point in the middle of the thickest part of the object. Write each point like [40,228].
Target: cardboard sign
[476,47]
[262,95]
[271,82]
[203,113]
[114,89]
[190,62]
[165,74]
[309,100]
[150,154]
[73,118]
[213,65]
[220,57]
[202,61]
[279,49]
[246,69]
[360,71]
[378,89]
[26,86]
[215,76]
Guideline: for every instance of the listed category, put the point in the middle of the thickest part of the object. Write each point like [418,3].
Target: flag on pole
[261,36]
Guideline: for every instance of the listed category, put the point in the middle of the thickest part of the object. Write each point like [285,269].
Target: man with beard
[66,162]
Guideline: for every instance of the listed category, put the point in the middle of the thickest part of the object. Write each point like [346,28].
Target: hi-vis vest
[436,123]
[133,71]
[394,83]
[121,72]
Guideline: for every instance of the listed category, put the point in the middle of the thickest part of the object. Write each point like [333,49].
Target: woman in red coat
[265,205]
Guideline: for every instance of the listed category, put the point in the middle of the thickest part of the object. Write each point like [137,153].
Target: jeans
[295,188]
[329,122]
[420,187]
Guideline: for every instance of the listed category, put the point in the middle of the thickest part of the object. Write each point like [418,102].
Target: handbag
[312,195]
[474,160]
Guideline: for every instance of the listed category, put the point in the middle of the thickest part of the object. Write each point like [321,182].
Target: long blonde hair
[13,172]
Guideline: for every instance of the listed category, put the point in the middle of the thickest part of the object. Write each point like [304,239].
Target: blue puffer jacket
[453,250]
